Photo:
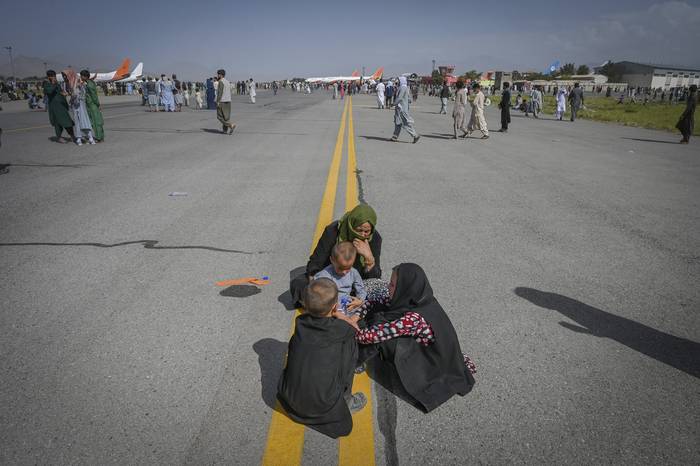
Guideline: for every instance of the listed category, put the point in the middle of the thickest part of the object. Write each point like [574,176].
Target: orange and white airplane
[354,77]
[120,73]
[135,75]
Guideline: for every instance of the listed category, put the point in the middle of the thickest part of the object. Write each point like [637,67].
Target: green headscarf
[360,214]
[346,226]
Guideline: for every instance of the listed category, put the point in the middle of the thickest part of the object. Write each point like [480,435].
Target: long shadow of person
[387,388]
[271,357]
[677,352]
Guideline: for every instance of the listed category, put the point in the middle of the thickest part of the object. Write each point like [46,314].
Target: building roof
[656,66]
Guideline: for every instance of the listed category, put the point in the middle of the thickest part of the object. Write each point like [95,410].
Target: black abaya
[319,373]
[430,374]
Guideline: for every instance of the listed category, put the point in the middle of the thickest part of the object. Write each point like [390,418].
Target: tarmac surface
[566,254]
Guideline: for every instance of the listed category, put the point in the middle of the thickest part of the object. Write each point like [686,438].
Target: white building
[657,76]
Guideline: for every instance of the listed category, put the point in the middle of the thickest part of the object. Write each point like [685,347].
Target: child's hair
[344,250]
[320,296]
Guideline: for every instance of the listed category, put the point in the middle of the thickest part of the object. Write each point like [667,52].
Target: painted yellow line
[285,438]
[351,194]
[29,128]
[357,449]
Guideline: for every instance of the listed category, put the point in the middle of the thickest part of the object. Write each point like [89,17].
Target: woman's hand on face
[363,248]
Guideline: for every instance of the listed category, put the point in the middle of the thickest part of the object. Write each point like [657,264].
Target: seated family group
[351,315]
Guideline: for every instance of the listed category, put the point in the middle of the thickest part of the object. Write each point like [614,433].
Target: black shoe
[415,140]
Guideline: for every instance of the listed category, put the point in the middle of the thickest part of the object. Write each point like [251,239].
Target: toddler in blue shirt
[345,276]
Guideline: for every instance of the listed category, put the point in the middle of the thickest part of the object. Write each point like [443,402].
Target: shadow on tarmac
[147,244]
[240,291]
[438,136]
[677,352]
[387,389]
[41,165]
[271,356]
[375,138]
[286,300]
[651,140]
[153,130]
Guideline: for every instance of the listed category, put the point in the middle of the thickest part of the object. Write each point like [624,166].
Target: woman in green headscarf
[358,226]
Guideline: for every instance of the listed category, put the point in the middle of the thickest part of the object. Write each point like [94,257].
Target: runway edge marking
[285,438]
[357,449]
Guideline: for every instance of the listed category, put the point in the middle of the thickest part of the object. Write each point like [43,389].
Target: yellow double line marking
[285,438]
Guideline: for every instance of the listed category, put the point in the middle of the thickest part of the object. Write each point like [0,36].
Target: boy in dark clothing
[316,384]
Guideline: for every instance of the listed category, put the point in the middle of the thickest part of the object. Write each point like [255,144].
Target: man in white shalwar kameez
[252,91]
[380,94]
[561,103]
[477,120]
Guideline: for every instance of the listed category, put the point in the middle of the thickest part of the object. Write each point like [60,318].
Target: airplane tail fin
[355,73]
[378,74]
[138,71]
[123,70]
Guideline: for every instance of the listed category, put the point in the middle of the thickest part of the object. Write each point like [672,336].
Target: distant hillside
[27,66]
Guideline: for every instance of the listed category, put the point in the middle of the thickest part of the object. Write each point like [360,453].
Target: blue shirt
[346,283]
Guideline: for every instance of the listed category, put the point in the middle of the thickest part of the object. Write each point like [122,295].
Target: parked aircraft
[355,77]
[120,73]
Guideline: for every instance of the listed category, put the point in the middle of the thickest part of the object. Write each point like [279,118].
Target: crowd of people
[350,316]
[169,94]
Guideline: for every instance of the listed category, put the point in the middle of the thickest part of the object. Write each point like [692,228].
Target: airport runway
[567,256]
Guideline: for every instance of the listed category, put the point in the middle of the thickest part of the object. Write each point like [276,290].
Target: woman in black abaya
[412,332]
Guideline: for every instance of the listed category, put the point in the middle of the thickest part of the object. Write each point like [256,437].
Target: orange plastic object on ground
[243,281]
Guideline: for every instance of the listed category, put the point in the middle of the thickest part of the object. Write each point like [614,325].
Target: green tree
[471,75]
[583,69]
[517,76]
[437,78]
[568,69]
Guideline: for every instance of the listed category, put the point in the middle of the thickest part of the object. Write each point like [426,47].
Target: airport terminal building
[657,76]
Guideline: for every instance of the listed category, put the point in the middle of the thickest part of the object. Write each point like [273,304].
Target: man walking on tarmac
[223,103]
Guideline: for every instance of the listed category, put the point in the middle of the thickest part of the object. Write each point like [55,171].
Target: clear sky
[273,40]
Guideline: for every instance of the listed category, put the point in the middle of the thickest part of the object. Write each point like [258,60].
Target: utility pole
[12,63]
[433,65]
[363,71]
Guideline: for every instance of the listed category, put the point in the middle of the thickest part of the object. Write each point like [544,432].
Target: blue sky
[274,39]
